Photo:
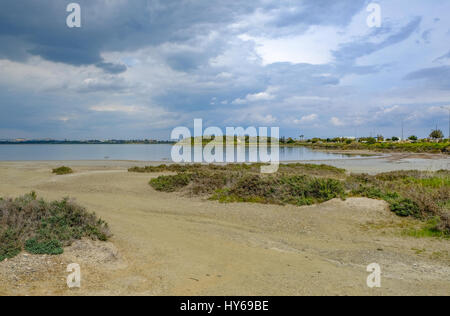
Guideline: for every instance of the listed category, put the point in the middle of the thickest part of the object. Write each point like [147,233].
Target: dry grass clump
[42,227]
[424,195]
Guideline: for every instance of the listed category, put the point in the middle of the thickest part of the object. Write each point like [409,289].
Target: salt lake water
[160,152]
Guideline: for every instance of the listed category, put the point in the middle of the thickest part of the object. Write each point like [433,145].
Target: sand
[167,244]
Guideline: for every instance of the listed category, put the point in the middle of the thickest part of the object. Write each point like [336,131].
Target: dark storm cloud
[437,76]
[112,68]
[349,52]
[39,27]
[320,12]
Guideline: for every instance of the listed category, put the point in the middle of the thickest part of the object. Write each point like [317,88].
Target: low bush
[41,227]
[405,208]
[9,244]
[51,247]
[171,183]
[62,171]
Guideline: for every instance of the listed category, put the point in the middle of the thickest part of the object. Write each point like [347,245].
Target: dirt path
[165,244]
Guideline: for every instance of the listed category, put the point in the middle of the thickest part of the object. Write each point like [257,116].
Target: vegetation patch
[417,194]
[62,171]
[297,190]
[42,227]
[299,184]
[430,229]
[413,145]
[51,247]
[9,244]
[296,168]
[171,183]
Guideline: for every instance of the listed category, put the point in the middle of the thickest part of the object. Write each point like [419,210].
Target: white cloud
[336,122]
[314,47]
[261,96]
[391,109]
[117,108]
[439,109]
[307,119]
[239,101]
[309,98]
[265,119]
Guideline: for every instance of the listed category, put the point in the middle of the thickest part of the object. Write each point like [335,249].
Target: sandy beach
[168,244]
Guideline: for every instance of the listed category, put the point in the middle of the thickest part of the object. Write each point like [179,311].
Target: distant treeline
[412,144]
[84,142]
[229,140]
[419,146]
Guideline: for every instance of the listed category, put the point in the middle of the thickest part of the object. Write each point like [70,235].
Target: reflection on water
[161,152]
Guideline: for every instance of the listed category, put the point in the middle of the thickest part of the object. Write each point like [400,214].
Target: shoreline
[369,164]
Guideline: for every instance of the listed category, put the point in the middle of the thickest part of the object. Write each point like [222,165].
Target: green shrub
[9,244]
[405,208]
[373,192]
[62,171]
[43,227]
[325,189]
[171,183]
[52,247]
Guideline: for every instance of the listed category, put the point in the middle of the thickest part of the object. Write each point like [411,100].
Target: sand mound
[24,271]
[89,252]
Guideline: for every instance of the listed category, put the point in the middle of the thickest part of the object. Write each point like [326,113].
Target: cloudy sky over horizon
[138,69]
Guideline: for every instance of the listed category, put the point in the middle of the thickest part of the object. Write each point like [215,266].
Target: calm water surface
[130,152]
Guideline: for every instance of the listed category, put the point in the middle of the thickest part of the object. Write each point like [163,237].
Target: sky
[138,69]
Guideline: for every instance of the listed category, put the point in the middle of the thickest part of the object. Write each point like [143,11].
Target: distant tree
[336,140]
[413,138]
[371,141]
[290,140]
[437,134]
[395,139]
[302,137]
[380,138]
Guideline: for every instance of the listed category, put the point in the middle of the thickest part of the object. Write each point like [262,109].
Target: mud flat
[167,244]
